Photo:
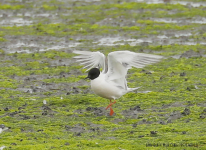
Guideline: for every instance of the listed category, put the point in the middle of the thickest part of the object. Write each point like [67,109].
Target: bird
[108,74]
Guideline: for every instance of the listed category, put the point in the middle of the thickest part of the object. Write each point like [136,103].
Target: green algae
[132,5]
[61,30]
[7,82]
[35,66]
[47,7]
[2,39]
[45,138]
[12,7]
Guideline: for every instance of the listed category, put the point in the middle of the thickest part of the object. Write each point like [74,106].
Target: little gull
[111,82]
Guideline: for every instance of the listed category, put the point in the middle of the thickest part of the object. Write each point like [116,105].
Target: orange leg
[110,106]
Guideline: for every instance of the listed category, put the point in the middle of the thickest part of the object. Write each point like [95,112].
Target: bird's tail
[132,89]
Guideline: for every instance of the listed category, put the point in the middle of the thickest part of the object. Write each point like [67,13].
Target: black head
[93,73]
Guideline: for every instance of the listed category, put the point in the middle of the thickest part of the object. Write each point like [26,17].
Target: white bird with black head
[111,83]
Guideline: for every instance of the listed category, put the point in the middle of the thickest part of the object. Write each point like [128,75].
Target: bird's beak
[86,78]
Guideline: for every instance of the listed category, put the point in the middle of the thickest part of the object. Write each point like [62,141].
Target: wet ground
[46,103]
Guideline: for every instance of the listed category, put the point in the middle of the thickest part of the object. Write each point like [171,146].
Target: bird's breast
[106,89]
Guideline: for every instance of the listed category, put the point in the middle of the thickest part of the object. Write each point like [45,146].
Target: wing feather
[90,59]
[120,61]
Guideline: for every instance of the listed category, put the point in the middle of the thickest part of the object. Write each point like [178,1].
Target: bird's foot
[110,106]
[111,111]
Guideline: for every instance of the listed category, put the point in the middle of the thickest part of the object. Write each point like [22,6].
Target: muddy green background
[46,104]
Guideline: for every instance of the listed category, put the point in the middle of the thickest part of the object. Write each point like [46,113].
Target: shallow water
[31,47]
[182,21]
[15,22]
[193,4]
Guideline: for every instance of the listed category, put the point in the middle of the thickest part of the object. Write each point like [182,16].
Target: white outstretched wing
[120,61]
[90,59]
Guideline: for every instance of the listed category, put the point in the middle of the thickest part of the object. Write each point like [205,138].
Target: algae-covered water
[45,103]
